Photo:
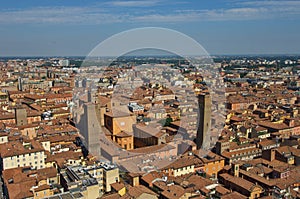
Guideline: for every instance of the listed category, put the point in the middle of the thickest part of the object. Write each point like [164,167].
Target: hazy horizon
[74,28]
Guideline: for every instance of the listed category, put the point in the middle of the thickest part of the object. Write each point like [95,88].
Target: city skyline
[74,28]
[142,126]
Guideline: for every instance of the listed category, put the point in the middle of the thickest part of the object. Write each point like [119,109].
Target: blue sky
[75,27]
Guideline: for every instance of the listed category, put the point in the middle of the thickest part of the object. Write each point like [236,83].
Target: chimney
[272,154]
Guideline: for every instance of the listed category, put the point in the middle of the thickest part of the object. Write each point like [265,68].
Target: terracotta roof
[173,192]
[277,126]
[288,149]
[133,175]
[231,154]
[266,142]
[19,181]
[64,156]
[191,182]
[104,100]
[21,190]
[111,196]
[238,181]
[58,138]
[211,157]
[117,186]
[234,195]
[222,190]
[14,148]
[135,192]
[49,172]
[149,177]
[184,161]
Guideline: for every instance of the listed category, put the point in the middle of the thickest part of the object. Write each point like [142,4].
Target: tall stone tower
[20,84]
[204,121]
[20,116]
[90,128]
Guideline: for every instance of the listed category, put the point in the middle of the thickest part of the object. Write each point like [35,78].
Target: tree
[168,121]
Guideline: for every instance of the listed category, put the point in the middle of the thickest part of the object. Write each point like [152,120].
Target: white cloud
[280,7]
[205,15]
[59,15]
[142,3]
[271,3]
[105,13]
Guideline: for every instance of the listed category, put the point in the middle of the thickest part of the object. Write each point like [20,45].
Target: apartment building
[92,180]
[21,153]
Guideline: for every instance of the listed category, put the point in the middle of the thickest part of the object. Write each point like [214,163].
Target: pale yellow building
[20,154]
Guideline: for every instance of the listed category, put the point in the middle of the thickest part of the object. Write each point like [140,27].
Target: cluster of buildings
[41,150]
[151,131]
[140,109]
[258,61]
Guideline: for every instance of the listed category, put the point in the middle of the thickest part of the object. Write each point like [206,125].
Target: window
[108,122]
